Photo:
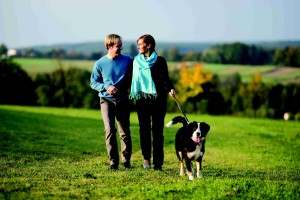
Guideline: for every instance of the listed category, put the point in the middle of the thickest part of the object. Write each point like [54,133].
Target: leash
[180,109]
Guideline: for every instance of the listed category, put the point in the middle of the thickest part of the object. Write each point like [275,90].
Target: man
[111,77]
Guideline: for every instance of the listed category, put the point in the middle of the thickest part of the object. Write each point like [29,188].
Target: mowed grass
[59,153]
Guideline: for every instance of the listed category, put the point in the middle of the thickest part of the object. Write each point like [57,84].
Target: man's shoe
[113,167]
[157,168]
[126,165]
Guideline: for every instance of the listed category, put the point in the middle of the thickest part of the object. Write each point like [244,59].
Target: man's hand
[111,90]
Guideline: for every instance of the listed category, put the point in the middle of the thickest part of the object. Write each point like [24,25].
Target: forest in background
[198,90]
[281,53]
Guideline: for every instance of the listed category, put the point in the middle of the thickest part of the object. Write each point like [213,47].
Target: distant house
[11,52]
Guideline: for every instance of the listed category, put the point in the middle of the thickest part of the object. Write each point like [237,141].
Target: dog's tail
[176,120]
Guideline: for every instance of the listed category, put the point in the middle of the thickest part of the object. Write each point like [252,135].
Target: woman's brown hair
[148,39]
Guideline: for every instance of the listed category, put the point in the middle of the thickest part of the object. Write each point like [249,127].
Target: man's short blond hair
[111,40]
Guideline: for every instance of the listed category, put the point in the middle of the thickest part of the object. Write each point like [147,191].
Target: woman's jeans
[152,110]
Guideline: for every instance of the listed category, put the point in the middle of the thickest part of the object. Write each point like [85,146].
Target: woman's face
[142,47]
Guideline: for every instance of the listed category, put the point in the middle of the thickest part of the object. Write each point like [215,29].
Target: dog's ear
[204,127]
[191,125]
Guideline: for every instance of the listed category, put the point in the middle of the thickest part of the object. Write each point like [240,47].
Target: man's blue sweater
[116,72]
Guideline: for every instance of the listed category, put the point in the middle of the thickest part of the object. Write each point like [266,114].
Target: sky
[26,23]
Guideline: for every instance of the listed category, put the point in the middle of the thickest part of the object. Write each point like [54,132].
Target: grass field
[269,73]
[57,153]
[34,66]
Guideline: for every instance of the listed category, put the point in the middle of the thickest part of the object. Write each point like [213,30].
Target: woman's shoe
[146,164]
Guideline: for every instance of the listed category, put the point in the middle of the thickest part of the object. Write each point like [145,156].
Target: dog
[190,144]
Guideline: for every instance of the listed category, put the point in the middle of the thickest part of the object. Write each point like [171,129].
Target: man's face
[116,49]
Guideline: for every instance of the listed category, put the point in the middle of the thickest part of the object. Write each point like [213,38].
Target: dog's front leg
[180,158]
[199,173]
[181,169]
[188,164]
[199,166]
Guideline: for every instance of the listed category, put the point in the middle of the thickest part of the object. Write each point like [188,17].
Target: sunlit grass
[58,153]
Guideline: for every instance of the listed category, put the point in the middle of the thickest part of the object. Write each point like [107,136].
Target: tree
[292,98]
[173,54]
[3,49]
[279,57]
[32,53]
[95,55]
[256,92]
[289,56]
[276,100]
[66,88]
[216,104]
[16,86]
[162,52]
[257,55]
[192,83]
[236,53]
[229,88]
[190,56]
[133,50]
[213,55]
[76,55]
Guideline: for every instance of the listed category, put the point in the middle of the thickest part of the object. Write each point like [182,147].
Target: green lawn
[57,153]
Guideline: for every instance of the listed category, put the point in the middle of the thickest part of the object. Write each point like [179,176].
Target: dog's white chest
[195,154]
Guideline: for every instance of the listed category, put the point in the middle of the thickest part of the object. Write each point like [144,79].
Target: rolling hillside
[96,46]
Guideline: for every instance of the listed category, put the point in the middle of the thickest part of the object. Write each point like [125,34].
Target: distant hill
[88,47]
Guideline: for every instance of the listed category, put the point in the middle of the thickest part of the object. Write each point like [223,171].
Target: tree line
[232,53]
[60,88]
[197,90]
[204,92]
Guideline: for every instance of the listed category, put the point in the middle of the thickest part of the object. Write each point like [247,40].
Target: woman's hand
[172,93]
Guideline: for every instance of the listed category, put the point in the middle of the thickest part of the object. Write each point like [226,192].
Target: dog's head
[197,131]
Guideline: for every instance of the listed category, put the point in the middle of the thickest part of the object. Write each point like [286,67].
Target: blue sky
[41,22]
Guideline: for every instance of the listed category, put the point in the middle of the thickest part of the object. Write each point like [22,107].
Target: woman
[150,86]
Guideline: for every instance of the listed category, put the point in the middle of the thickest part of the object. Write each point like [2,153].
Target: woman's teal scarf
[142,85]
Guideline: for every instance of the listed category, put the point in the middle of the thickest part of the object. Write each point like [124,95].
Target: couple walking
[146,77]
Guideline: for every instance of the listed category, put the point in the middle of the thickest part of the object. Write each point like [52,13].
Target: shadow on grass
[40,136]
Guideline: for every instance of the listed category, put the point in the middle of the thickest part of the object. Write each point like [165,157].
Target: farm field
[59,153]
[34,66]
[269,73]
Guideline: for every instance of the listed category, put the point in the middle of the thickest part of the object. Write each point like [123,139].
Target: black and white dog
[189,144]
